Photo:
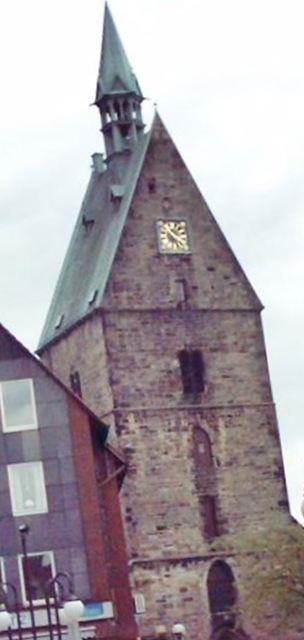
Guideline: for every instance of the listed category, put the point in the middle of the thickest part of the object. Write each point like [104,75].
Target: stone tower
[154,322]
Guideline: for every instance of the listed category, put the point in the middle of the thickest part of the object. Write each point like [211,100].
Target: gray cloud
[228,79]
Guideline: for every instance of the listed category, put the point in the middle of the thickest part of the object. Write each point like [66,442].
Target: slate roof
[94,242]
[115,74]
[17,347]
[100,428]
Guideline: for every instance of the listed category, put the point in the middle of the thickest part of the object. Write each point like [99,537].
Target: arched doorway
[222,593]
[226,633]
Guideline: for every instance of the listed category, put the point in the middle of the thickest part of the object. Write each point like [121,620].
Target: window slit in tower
[192,370]
[210,519]
[75,383]
[181,292]
[205,481]
[152,185]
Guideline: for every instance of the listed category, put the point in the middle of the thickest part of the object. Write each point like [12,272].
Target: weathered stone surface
[127,357]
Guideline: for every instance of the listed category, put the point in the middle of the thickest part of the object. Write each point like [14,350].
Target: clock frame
[173,236]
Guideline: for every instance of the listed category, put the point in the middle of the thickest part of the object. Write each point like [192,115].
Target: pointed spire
[115,74]
[118,95]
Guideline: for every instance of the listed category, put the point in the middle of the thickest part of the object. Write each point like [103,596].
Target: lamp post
[68,609]
[23,530]
[5,619]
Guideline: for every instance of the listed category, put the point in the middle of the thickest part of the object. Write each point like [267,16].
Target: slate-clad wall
[83,526]
[60,529]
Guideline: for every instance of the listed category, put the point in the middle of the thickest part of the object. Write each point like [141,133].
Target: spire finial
[115,75]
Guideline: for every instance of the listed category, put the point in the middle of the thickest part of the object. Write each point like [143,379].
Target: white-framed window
[17,404]
[2,570]
[27,488]
[40,569]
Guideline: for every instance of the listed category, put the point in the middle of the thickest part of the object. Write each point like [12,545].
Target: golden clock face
[173,236]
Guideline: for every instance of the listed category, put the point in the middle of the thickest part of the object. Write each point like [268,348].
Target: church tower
[155,324]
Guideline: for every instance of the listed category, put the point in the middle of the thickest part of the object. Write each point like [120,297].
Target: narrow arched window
[202,449]
[222,594]
[75,383]
[205,482]
[210,516]
[192,370]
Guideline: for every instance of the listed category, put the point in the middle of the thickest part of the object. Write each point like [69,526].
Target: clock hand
[175,236]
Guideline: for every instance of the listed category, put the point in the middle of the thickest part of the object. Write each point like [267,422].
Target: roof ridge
[49,373]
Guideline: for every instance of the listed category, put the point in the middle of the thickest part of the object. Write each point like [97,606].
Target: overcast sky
[229,84]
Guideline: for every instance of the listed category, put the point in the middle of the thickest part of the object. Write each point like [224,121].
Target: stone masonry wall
[163,522]
[163,517]
[128,361]
[142,277]
[143,356]
[84,350]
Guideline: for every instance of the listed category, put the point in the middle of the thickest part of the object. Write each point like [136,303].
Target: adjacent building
[60,478]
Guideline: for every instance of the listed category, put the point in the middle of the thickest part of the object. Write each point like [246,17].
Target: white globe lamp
[5,620]
[178,630]
[72,611]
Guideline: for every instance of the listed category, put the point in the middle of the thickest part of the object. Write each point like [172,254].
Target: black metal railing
[31,619]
